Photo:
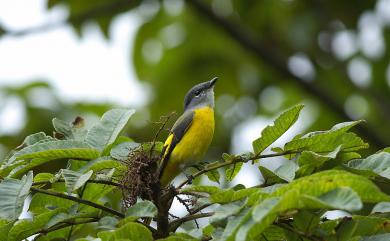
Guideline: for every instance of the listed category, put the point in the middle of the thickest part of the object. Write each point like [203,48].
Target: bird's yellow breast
[197,138]
[193,144]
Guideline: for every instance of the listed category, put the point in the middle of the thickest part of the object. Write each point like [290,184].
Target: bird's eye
[197,93]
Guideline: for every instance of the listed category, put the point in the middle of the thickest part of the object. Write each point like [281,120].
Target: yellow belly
[192,146]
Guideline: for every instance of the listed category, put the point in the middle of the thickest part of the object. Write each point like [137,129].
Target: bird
[192,133]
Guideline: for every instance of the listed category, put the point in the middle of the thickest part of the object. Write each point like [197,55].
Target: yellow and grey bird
[191,134]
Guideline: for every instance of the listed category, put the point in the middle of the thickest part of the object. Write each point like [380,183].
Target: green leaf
[13,192]
[129,231]
[232,171]
[379,237]
[102,163]
[109,127]
[328,141]
[46,151]
[264,214]
[226,210]
[374,165]
[316,159]
[121,151]
[75,180]
[71,131]
[213,175]
[35,138]
[322,182]
[24,228]
[203,189]
[271,133]
[285,172]
[341,198]
[108,222]
[382,207]
[142,209]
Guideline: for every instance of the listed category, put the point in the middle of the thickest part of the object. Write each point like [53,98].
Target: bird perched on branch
[191,134]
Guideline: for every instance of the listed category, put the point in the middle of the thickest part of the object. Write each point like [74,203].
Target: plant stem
[176,223]
[233,161]
[79,200]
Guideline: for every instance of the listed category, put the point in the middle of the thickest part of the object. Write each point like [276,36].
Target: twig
[246,39]
[105,182]
[200,208]
[233,161]
[163,122]
[79,200]
[176,223]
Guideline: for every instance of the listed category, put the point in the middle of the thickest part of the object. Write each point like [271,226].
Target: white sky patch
[12,115]
[90,68]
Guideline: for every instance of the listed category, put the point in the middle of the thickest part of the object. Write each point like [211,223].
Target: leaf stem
[79,200]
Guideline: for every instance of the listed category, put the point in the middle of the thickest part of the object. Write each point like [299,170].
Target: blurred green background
[269,55]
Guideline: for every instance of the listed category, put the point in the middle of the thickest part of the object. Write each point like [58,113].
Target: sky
[88,68]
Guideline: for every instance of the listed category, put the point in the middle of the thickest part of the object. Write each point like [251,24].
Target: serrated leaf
[271,133]
[75,180]
[232,171]
[109,127]
[13,193]
[142,209]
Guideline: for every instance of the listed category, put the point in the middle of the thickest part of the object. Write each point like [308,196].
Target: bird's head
[200,95]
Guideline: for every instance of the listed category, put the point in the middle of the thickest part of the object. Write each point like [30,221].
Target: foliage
[83,202]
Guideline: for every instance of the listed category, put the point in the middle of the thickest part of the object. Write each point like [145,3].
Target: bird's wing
[177,132]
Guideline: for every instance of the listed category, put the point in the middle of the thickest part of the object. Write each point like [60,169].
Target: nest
[141,178]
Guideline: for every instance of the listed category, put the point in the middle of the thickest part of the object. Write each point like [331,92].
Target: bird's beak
[212,82]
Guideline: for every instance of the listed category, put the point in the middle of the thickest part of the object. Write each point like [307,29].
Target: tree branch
[79,200]
[245,38]
[89,181]
[176,223]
